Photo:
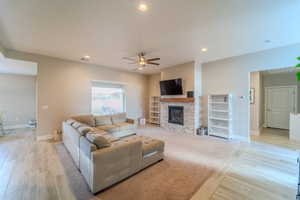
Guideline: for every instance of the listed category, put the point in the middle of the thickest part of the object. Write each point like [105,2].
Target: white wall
[256,109]
[17,98]
[153,85]
[184,71]
[2,52]
[190,73]
[197,92]
[232,75]
[65,87]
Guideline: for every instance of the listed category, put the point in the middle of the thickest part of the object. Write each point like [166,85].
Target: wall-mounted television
[171,87]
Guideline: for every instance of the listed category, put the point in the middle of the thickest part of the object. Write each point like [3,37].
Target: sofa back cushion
[102,120]
[85,119]
[118,118]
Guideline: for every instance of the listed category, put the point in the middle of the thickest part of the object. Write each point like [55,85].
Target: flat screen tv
[171,87]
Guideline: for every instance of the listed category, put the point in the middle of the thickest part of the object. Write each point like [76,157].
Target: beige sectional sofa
[107,152]
[118,125]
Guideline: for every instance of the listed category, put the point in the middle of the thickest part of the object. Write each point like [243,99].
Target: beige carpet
[189,162]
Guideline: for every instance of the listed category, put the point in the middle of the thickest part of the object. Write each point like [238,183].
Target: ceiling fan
[142,61]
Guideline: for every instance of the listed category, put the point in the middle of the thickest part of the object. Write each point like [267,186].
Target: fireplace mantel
[182,100]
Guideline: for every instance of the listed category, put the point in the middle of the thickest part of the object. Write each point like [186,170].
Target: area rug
[188,163]
[170,179]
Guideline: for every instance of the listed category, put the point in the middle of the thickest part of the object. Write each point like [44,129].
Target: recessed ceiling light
[143,7]
[86,58]
[204,49]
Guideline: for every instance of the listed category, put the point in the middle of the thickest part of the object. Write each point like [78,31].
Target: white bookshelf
[154,117]
[220,115]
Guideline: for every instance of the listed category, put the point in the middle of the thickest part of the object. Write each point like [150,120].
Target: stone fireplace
[176,115]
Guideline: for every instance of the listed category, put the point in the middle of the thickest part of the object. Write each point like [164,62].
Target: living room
[145,81]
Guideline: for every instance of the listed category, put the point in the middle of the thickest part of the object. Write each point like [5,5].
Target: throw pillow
[83,130]
[98,139]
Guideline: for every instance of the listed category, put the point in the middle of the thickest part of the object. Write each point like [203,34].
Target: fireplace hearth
[176,115]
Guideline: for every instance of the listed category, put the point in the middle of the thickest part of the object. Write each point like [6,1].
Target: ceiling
[174,30]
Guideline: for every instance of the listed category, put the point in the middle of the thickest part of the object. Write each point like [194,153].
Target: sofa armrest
[112,164]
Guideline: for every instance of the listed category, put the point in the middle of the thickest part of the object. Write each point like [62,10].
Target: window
[107,98]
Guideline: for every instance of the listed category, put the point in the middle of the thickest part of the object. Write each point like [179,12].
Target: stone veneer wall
[189,118]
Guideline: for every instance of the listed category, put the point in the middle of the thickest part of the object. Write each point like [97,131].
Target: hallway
[276,137]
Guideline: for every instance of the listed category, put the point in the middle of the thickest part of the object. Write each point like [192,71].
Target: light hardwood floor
[256,172]
[32,170]
[276,137]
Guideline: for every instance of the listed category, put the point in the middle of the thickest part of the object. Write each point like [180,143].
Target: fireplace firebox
[176,115]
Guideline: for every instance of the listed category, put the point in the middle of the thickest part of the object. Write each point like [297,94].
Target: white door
[280,102]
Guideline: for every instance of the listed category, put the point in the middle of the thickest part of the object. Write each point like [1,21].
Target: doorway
[275,98]
[18,96]
[280,102]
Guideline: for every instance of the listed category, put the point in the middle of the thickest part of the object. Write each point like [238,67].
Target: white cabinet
[154,117]
[220,115]
[294,127]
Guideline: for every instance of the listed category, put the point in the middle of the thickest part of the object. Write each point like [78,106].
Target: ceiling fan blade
[153,59]
[152,63]
[132,63]
[130,59]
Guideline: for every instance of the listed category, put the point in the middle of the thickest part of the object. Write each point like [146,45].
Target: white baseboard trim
[15,126]
[44,137]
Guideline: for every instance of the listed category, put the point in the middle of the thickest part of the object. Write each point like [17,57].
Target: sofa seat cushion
[150,145]
[109,128]
[85,119]
[118,118]
[102,120]
[124,126]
